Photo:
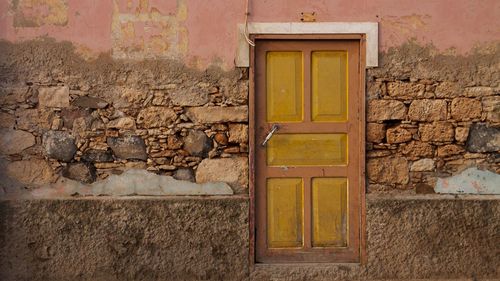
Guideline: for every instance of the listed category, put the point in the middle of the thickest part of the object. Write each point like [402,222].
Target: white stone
[422,165]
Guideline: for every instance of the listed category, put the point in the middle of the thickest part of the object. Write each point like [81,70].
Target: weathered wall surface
[202,33]
[207,239]
[432,116]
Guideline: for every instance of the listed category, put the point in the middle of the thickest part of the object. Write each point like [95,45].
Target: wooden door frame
[361,116]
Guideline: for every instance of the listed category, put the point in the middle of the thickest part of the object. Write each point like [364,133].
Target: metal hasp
[274,128]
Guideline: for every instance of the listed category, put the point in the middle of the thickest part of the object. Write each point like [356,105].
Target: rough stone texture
[97,155]
[375,132]
[53,96]
[233,171]
[129,147]
[491,105]
[218,114]
[238,133]
[207,239]
[427,110]
[416,149]
[81,172]
[168,239]
[398,135]
[380,110]
[125,123]
[189,97]
[437,132]
[404,90]
[59,145]
[30,172]
[15,141]
[89,102]
[7,120]
[422,165]
[156,116]
[448,90]
[388,170]
[463,109]
[461,134]
[449,150]
[483,138]
[184,174]
[197,143]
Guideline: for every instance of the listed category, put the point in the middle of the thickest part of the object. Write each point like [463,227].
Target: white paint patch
[132,182]
[470,181]
[370,29]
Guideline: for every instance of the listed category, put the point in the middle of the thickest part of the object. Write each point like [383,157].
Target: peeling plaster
[36,13]
[141,30]
[131,182]
[470,181]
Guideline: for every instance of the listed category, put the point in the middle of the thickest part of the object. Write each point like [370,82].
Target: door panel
[307,170]
[307,150]
[284,86]
[284,215]
[329,86]
[329,203]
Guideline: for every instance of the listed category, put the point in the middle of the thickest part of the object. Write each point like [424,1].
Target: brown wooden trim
[362,152]
[251,155]
[351,36]
[355,170]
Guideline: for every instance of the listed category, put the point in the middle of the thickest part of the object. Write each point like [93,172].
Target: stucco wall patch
[470,181]
[36,13]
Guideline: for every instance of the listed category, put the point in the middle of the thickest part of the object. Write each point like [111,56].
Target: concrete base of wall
[207,239]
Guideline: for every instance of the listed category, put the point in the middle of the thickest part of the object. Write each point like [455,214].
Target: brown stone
[232,149]
[422,188]
[417,149]
[376,89]
[156,116]
[194,96]
[7,120]
[184,174]
[398,135]
[438,132]
[238,133]
[33,119]
[448,90]
[491,106]
[197,143]
[375,132]
[128,147]
[89,102]
[124,123]
[478,91]
[213,114]
[221,138]
[53,96]
[405,90]
[82,172]
[173,142]
[391,170]
[29,172]
[461,134]
[449,150]
[463,109]
[427,110]
[233,171]
[380,110]
[15,141]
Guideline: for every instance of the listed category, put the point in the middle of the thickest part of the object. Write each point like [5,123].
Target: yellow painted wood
[329,86]
[307,150]
[329,211]
[284,212]
[284,84]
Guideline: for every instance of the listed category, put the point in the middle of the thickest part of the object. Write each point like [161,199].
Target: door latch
[274,128]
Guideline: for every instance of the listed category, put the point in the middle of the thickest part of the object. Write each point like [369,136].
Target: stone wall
[64,117]
[432,116]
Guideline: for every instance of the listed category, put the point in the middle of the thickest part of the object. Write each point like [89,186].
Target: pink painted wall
[204,32]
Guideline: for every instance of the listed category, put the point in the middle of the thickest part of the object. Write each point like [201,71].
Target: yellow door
[307,150]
